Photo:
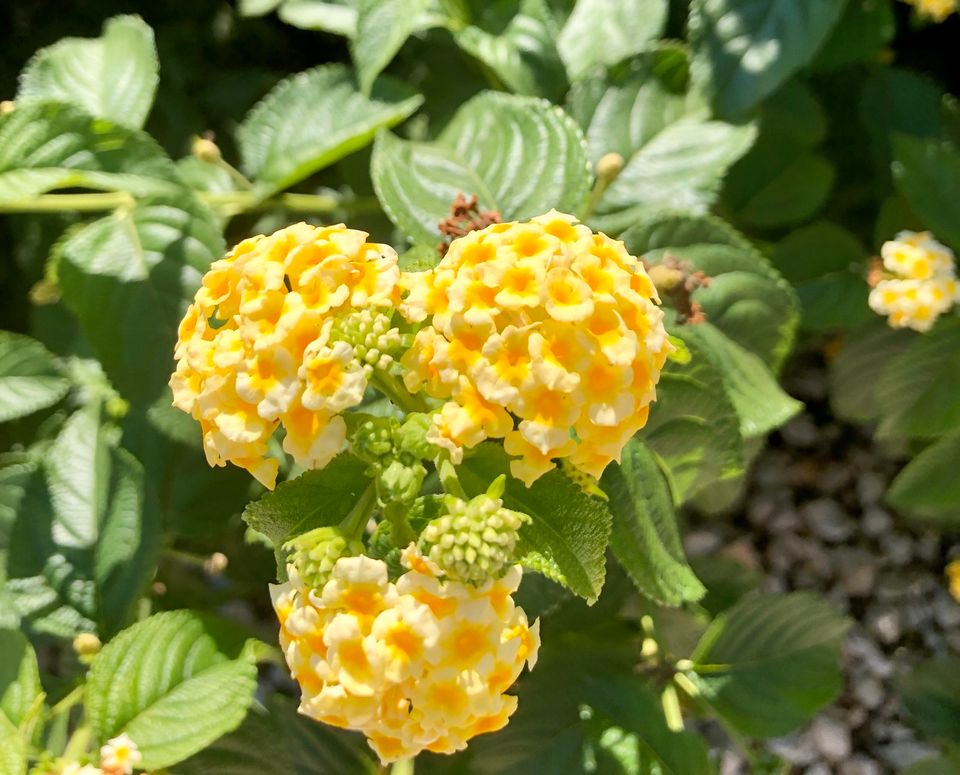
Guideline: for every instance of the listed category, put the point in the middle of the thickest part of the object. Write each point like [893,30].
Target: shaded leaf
[927,173]
[19,676]
[29,377]
[931,694]
[929,485]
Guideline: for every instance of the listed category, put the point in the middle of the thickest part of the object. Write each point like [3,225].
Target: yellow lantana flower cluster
[285,330]
[921,283]
[419,664]
[118,756]
[544,322]
[938,10]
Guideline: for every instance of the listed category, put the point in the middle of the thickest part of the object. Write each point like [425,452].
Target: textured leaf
[604,32]
[746,299]
[49,145]
[567,538]
[760,402]
[114,76]
[29,377]
[382,28]
[745,49]
[174,682]
[127,278]
[313,499]
[13,749]
[314,118]
[770,662]
[928,175]
[519,155]
[817,249]
[931,694]
[645,539]
[929,485]
[693,427]
[19,676]
[338,17]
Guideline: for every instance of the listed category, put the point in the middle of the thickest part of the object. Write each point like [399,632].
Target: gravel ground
[813,519]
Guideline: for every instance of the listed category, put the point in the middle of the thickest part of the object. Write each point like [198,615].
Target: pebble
[885,625]
[702,542]
[830,738]
[946,611]
[796,749]
[902,754]
[876,522]
[827,520]
[871,488]
[869,693]
[897,549]
[860,765]
[800,432]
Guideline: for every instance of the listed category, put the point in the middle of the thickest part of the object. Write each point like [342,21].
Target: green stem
[402,767]
[403,534]
[77,744]
[60,203]
[449,479]
[391,387]
[355,522]
[74,697]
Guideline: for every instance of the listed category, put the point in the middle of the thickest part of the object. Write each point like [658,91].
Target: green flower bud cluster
[315,553]
[475,540]
[395,452]
[369,333]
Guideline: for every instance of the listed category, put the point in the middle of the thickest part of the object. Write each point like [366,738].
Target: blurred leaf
[338,17]
[604,32]
[383,26]
[817,249]
[312,119]
[929,486]
[770,662]
[313,499]
[29,377]
[693,427]
[931,694]
[760,402]
[519,155]
[726,580]
[523,54]
[746,299]
[860,35]
[174,682]
[567,538]
[19,677]
[645,538]
[127,278]
[941,765]
[49,145]
[836,300]
[927,173]
[114,76]
[745,49]
[869,351]
[13,749]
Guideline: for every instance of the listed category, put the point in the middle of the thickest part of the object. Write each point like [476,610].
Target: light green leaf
[383,26]
[314,118]
[645,538]
[693,427]
[745,49]
[338,17]
[761,403]
[49,145]
[174,682]
[522,52]
[519,155]
[604,32]
[13,749]
[567,537]
[746,299]
[19,676]
[127,278]
[931,694]
[257,7]
[313,499]
[929,486]
[770,662]
[927,172]
[29,377]
[114,76]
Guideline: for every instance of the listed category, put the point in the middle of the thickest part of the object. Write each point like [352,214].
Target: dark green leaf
[860,35]
[29,377]
[927,173]
[931,694]
[929,485]
[817,249]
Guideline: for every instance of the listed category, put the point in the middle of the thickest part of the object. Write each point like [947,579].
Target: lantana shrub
[360,435]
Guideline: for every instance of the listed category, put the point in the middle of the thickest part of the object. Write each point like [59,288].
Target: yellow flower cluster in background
[953,578]
[118,756]
[419,664]
[542,321]
[938,10]
[921,283]
[285,329]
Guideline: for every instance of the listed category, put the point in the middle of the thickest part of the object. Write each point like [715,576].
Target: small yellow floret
[938,10]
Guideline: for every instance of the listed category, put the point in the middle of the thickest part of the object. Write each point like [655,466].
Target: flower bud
[315,553]
[206,150]
[609,166]
[86,644]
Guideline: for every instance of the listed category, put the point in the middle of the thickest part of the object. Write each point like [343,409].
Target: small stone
[785,521]
[761,510]
[946,611]
[702,542]
[870,488]
[927,548]
[868,693]
[886,626]
[833,479]
[876,522]
[817,769]
[860,765]
[830,738]
[897,549]
[901,755]
[858,572]
[731,763]
[827,520]
[800,432]
[797,749]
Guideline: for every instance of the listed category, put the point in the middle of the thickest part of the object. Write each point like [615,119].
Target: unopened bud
[665,278]
[206,150]
[7,106]
[216,563]
[86,644]
[117,407]
[45,292]
[315,553]
[609,166]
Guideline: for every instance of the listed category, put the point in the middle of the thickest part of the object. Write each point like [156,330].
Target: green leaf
[13,749]
[760,402]
[127,278]
[174,682]
[941,765]
[314,118]
[604,32]
[114,76]
[745,49]
[19,676]
[383,26]
[522,52]
[862,32]
[818,249]
[927,173]
[931,694]
[693,428]
[29,377]
[313,499]
[567,537]
[770,662]
[338,17]
[747,298]
[928,486]
[916,391]
[520,155]
[49,145]
[645,539]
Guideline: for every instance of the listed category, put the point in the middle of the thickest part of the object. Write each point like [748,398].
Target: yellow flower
[953,576]
[120,755]
[286,330]
[938,10]
[920,284]
[543,334]
[419,664]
